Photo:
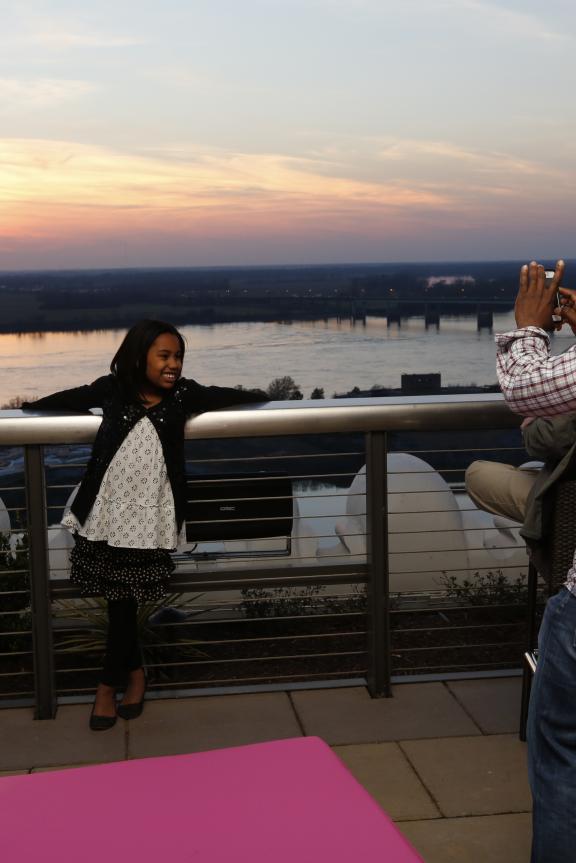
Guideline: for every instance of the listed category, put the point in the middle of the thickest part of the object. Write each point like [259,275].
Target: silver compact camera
[549,275]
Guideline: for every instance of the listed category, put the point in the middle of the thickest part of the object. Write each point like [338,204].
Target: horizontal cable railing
[376,565]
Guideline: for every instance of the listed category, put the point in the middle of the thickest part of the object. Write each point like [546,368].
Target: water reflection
[335,353]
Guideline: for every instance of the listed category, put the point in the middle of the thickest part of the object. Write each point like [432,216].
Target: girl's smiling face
[164,362]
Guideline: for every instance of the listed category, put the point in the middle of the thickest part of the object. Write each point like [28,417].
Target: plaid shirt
[535,383]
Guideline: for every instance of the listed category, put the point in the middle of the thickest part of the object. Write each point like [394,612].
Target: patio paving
[386,773]
[198,724]
[26,743]
[497,838]
[494,703]
[351,716]
[443,759]
[472,775]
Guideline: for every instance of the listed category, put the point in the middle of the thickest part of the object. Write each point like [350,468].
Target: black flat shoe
[101,723]
[133,711]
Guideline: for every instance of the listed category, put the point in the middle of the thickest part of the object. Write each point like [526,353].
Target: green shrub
[486,588]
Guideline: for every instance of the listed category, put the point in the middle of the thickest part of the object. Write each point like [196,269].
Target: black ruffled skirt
[99,569]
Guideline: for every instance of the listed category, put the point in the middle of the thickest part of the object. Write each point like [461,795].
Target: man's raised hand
[536,301]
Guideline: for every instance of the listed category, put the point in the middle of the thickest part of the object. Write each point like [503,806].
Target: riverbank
[30,312]
[92,299]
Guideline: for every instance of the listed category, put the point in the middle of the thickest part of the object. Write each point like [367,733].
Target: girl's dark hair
[129,362]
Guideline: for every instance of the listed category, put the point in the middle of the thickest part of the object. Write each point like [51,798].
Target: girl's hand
[535,301]
[568,308]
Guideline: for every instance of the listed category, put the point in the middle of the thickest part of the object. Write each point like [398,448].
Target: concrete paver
[493,704]
[496,838]
[473,775]
[417,710]
[449,756]
[62,767]
[195,724]
[28,742]
[386,774]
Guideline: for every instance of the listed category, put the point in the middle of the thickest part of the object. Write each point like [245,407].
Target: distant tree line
[286,389]
[97,299]
[109,288]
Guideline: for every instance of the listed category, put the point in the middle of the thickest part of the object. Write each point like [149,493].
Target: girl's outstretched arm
[199,398]
[77,399]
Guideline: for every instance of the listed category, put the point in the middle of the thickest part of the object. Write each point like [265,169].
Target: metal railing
[254,614]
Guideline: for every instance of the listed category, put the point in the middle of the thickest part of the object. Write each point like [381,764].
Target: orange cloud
[63,202]
[54,186]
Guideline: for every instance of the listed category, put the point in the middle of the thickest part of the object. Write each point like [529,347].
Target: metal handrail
[374,417]
[402,413]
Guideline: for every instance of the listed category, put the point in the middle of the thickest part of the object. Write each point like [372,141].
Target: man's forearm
[533,382]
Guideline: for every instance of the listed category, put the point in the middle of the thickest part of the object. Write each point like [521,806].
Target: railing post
[40,584]
[379,664]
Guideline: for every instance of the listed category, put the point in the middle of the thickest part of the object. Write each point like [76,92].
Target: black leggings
[122,648]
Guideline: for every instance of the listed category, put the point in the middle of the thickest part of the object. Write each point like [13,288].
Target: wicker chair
[562,544]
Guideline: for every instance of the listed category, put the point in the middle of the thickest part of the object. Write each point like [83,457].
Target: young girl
[131,503]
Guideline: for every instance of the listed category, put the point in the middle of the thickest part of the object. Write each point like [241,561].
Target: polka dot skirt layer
[99,569]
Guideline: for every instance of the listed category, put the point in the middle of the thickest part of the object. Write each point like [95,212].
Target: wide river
[334,354]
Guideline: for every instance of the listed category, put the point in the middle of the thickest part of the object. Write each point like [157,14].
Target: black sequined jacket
[119,418]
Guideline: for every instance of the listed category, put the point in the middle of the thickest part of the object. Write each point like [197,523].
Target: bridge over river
[396,308]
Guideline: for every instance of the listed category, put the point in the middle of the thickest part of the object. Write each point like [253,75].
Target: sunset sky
[217,132]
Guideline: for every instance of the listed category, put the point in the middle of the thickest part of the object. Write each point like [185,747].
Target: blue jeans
[552,734]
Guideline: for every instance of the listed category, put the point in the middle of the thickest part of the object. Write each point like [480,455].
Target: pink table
[290,801]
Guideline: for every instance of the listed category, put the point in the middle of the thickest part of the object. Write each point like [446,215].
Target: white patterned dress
[121,550]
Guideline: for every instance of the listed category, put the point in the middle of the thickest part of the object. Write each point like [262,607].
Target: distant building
[421,384]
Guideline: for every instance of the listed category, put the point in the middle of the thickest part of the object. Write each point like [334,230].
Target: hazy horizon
[281,265]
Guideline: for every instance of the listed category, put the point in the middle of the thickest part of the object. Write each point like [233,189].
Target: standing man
[535,383]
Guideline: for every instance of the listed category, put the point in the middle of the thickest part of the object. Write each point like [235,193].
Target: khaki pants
[500,488]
